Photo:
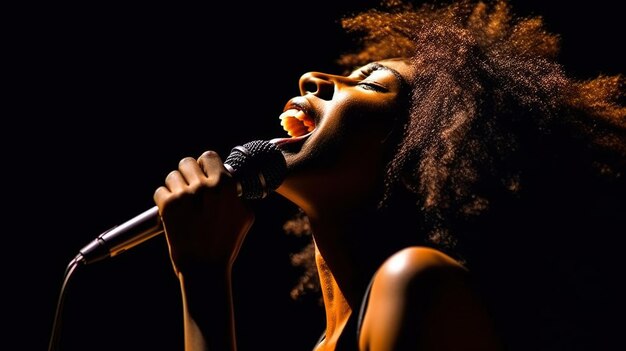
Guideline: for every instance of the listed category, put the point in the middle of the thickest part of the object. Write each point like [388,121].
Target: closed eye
[371,86]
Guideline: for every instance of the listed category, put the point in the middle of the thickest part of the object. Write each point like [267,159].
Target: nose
[319,84]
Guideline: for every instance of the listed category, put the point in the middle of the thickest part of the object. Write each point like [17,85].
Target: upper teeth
[296,122]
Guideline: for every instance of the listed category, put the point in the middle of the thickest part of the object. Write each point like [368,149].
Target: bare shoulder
[417,262]
[423,299]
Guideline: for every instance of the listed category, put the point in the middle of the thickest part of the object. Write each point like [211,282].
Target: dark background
[102,102]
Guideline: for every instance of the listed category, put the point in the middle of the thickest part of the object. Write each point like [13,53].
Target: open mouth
[296,122]
[298,125]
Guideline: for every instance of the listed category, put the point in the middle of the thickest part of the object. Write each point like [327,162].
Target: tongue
[282,141]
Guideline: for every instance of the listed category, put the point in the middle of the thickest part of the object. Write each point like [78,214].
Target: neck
[350,246]
[337,308]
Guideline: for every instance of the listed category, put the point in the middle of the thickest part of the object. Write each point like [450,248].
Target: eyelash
[370,86]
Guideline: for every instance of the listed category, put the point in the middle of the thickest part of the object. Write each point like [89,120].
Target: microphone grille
[259,166]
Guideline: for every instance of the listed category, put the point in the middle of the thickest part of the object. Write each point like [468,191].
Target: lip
[299,103]
[302,104]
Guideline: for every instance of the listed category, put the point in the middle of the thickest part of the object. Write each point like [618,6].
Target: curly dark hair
[503,154]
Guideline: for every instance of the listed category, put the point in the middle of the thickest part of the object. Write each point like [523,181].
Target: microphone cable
[56,325]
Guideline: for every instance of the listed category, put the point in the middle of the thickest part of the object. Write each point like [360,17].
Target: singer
[463,192]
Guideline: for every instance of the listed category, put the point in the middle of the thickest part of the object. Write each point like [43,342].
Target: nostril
[309,87]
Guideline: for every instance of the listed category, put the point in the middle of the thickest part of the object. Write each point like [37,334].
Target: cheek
[367,118]
[359,131]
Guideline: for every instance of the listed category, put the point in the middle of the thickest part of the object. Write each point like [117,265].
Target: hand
[205,221]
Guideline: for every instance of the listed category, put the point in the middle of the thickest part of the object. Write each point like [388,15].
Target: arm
[208,314]
[205,224]
[421,299]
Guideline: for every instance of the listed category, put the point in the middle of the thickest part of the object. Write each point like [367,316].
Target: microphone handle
[122,237]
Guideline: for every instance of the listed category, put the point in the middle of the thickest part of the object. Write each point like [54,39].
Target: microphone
[259,167]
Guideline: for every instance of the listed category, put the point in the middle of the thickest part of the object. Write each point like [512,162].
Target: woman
[453,182]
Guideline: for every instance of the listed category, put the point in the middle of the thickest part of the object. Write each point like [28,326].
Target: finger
[160,195]
[191,171]
[175,181]
[212,165]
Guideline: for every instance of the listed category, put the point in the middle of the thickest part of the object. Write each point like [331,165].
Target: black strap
[364,303]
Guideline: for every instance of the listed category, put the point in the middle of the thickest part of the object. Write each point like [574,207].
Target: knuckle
[209,154]
[158,190]
[171,175]
[186,160]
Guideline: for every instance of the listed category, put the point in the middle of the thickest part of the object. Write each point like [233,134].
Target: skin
[420,299]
